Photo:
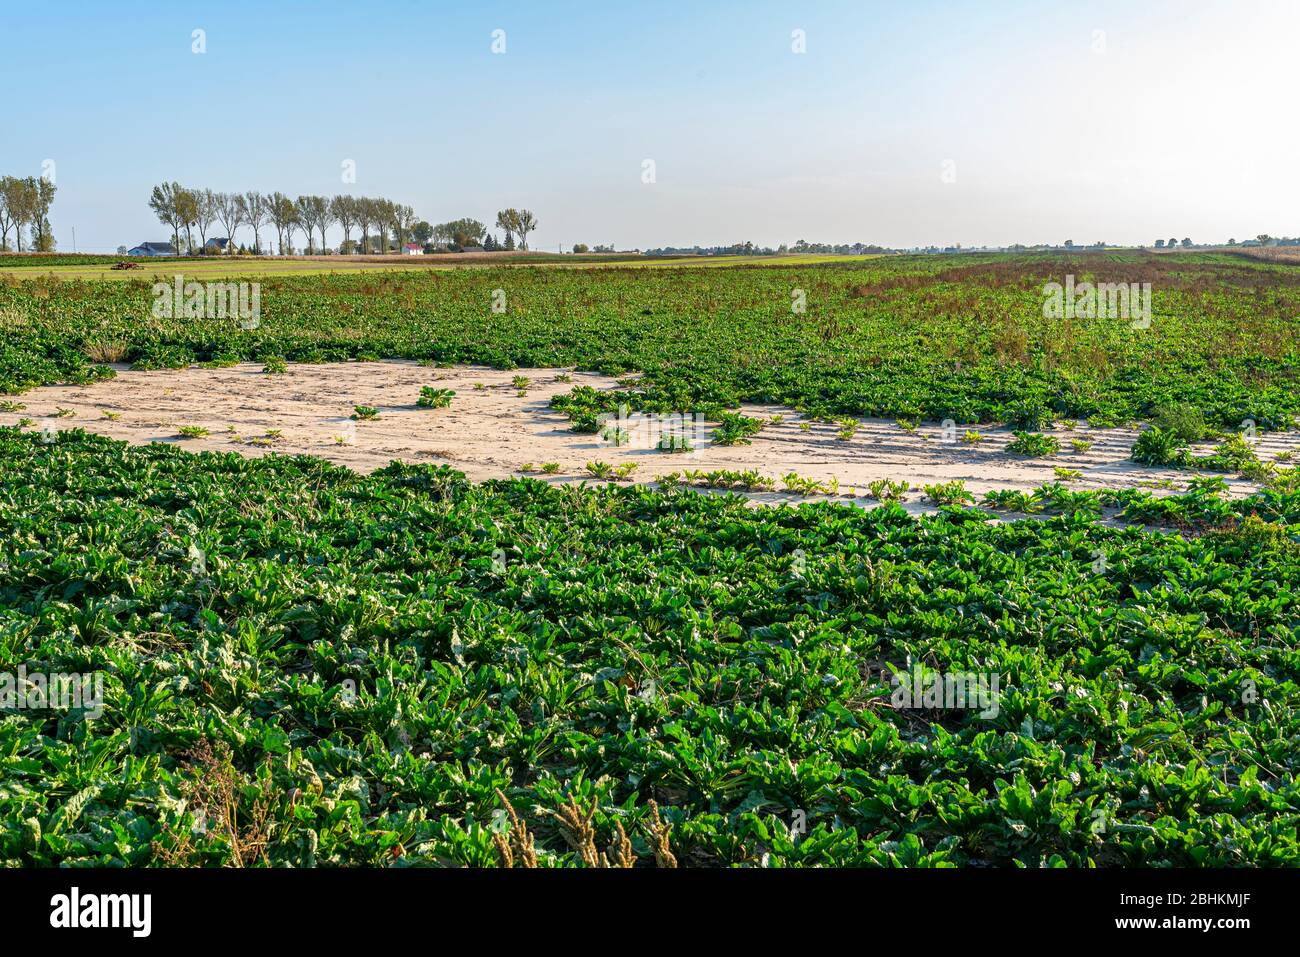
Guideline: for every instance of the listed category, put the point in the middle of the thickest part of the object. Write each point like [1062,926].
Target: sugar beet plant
[305,666]
[909,338]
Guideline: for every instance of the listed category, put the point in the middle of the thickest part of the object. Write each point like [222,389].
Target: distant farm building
[152,249]
[413,249]
[216,245]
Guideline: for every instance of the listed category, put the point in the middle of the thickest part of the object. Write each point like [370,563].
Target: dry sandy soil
[491,431]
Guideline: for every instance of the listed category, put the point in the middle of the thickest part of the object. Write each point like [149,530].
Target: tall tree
[306,217]
[403,220]
[365,210]
[187,210]
[42,200]
[5,219]
[292,221]
[462,232]
[256,214]
[284,215]
[526,223]
[315,214]
[508,221]
[384,214]
[230,211]
[207,213]
[343,209]
[163,203]
[12,212]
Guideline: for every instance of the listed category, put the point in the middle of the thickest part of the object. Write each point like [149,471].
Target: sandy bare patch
[490,430]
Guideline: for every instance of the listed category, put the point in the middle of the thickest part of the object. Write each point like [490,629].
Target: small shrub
[1033,444]
[1234,454]
[794,482]
[735,429]
[1030,416]
[364,413]
[1157,446]
[1185,421]
[616,435]
[887,490]
[949,493]
[431,398]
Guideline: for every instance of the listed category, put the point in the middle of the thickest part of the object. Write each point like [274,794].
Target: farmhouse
[217,245]
[413,249]
[152,249]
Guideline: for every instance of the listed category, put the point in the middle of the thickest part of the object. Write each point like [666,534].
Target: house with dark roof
[152,249]
[217,245]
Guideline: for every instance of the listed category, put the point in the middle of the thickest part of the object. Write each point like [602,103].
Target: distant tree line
[26,203]
[749,249]
[1263,239]
[380,224]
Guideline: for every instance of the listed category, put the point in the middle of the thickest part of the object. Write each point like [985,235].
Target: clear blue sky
[1092,121]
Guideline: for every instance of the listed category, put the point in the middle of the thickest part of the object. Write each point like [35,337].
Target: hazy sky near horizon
[902,124]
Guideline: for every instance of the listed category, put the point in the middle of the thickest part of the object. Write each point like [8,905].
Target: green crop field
[305,666]
[930,337]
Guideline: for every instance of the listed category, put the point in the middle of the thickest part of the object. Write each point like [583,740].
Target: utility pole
[74,239]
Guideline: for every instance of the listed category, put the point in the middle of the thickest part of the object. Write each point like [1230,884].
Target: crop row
[307,666]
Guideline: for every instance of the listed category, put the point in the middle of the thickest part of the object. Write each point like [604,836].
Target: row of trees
[26,202]
[186,210]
